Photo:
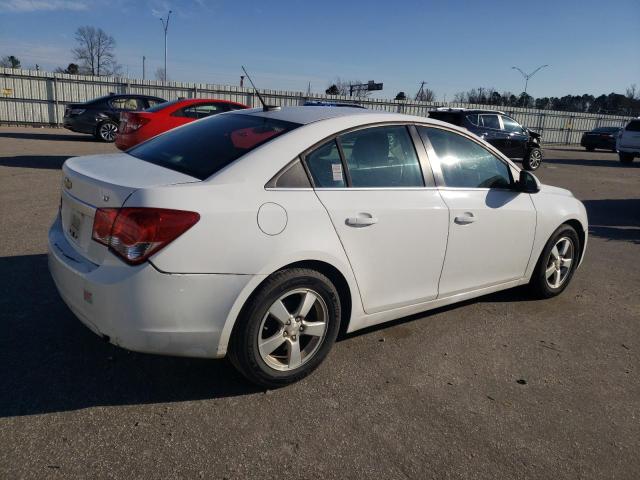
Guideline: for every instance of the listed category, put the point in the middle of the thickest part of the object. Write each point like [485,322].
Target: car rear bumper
[140,308]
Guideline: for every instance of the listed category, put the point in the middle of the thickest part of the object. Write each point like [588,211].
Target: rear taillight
[132,123]
[135,234]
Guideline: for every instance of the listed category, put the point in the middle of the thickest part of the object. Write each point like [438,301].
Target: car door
[492,131]
[491,226]
[392,225]
[518,138]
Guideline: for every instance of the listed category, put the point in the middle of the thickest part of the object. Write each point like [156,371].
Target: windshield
[204,147]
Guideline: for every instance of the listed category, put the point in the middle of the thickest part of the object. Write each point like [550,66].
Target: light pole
[165,27]
[144,59]
[527,76]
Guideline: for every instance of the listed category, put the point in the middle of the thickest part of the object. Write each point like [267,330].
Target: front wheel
[532,159]
[107,131]
[287,328]
[626,157]
[556,264]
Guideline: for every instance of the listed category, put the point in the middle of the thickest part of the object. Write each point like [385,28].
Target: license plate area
[77,221]
[75,225]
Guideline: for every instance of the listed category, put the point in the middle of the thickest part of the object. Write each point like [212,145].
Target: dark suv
[100,116]
[499,129]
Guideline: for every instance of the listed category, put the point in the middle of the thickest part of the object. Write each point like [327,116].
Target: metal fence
[30,97]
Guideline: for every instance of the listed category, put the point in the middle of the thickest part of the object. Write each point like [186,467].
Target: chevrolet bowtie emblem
[67,183]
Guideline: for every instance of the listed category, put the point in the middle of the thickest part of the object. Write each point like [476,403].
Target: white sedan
[262,233]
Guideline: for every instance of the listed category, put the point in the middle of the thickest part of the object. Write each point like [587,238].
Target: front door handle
[465,218]
[361,220]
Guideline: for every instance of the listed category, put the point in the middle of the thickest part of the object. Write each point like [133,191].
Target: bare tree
[632,92]
[72,69]
[161,74]
[10,62]
[425,95]
[95,51]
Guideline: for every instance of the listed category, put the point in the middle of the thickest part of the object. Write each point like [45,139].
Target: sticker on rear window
[337,172]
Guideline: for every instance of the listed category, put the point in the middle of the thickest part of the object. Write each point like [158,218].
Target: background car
[499,129]
[601,137]
[320,103]
[136,127]
[628,141]
[100,117]
[262,234]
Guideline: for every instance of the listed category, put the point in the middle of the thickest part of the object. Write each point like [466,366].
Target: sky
[591,46]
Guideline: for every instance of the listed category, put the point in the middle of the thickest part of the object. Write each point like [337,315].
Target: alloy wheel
[535,159]
[559,262]
[108,131]
[293,329]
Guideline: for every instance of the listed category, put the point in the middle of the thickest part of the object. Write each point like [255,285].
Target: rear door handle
[465,218]
[361,220]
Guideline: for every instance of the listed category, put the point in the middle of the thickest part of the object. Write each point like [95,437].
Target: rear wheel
[532,159]
[556,264]
[287,328]
[106,131]
[626,157]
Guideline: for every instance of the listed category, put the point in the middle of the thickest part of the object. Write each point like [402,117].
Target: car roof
[465,110]
[308,114]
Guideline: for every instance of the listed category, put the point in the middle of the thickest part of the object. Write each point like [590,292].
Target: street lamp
[527,76]
[165,27]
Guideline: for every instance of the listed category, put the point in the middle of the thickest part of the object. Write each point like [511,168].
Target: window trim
[437,170]
[423,159]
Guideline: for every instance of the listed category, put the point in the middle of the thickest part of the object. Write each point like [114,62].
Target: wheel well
[338,280]
[577,226]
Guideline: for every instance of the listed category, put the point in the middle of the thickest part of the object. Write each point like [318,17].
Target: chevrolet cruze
[260,234]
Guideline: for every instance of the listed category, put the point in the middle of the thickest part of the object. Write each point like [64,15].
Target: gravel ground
[499,387]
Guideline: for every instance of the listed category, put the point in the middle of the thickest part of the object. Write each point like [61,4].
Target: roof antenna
[265,107]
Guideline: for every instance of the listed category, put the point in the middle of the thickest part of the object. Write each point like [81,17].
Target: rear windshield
[606,129]
[204,147]
[449,117]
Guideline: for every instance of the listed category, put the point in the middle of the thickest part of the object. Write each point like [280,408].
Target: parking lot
[499,387]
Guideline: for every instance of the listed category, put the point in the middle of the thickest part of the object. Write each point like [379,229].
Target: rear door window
[634,126]
[381,157]
[325,166]
[203,148]
[510,125]
[489,121]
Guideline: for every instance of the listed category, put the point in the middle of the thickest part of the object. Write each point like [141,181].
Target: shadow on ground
[53,162]
[49,362]
[614,219]
[48,136]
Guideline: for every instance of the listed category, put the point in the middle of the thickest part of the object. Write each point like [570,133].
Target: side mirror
[527,182]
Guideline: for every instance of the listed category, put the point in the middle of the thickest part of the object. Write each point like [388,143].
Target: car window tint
[382,157]
[490,121]
[464,163]
[153,102]
[634,126]
[473,118]
[201,111]
[127,103]
[510,125]
[211,144]
[326,167]
[294,176]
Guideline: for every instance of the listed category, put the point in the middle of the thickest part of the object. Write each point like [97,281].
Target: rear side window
[634,126]
[127,103]
[381,157]
[200,110]
[464,163]
[160,106]
[202,148]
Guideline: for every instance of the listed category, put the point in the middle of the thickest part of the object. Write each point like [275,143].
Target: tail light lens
[134,234]
[131,123]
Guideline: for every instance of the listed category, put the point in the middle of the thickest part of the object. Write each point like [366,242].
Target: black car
[602,137]
[499,129]
[100,117]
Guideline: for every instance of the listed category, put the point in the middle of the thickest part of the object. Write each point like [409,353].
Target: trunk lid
[100,181]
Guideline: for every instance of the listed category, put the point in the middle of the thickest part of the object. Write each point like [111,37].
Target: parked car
[628,141]
[499,129]
[260,234]
[319,103]
[100,117]
[136,127]
[601,137]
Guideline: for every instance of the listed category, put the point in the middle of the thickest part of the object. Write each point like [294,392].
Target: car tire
[106,131]
[273,347]
[533,159]
[626,157]
[552,273]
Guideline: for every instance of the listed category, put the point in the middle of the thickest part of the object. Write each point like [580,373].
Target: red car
[136,127]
